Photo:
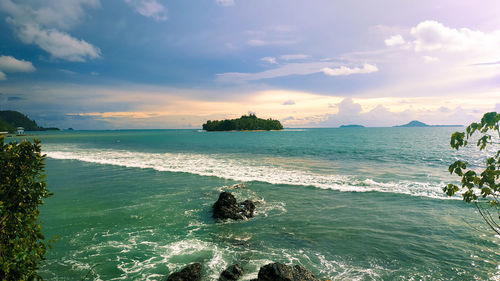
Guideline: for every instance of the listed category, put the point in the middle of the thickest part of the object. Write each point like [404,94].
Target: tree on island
[482,189]
[22,190]
[245,122]
[10,119]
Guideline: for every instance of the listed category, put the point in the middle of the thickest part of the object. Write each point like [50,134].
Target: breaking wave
[241,169]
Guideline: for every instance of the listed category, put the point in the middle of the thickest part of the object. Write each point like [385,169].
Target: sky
[130,64]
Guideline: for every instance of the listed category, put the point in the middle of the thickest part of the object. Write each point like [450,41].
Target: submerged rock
[227,207]
[191,272]
[232,273]
[281,272]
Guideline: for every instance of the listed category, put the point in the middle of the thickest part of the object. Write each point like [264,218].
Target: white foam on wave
[240,169]
[174,255]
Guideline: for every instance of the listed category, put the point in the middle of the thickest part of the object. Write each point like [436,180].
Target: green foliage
[10,120]
[479,186]
[15,119]
[6,127]
[22,190]
[246,122]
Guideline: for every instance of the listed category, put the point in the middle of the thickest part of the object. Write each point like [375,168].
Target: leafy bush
[481,187]
[22,190]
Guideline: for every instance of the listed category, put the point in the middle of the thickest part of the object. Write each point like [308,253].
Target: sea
[346,203]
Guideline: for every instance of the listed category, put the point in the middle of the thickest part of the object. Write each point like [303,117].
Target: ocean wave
[243,170]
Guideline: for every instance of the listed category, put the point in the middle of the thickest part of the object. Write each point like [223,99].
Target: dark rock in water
[232,273]
[281,272]
[191,272]
[227,207]
[248,208]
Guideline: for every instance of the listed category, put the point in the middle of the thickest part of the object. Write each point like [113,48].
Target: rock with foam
[232,273]
[227,207]
[191,272]
[281,272]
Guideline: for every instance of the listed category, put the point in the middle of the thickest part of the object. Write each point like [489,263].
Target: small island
[12,121]
[244,123]
[416,123]
[352,126]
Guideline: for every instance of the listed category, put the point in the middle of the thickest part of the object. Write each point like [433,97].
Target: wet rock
[248,208]
[281,272]
[232,273]
[191,272]
[227,207]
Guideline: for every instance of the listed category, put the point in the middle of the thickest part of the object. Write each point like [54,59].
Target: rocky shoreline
[228,208]
[270,272]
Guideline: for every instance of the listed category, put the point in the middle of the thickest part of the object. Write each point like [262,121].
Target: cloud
[428,59]
[453,46]
[58,44]
[149,8]
[60,14]
[394,41]
[432,35]
[347,107]
[270,60]
[460,57]
[38,25]
[225,3]
[343,70]
[294,57]
[350,112]
[11,64]
[305,68]
[288,102]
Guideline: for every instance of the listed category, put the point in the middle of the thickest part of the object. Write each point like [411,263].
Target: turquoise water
[349,204]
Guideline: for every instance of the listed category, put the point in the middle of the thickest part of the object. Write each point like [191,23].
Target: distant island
[352,126]
[416,123]
[244,123]
[10,120]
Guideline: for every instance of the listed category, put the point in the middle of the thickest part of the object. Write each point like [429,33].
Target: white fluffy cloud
[36,24]
[343,70]
[149,8]
[394,40]
[59,44]
[432,35]
[11,64]
[457,44]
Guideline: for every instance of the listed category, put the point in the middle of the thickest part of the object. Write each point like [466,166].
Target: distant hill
[352,126]
[416,123]
[10,120]
[245,122]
